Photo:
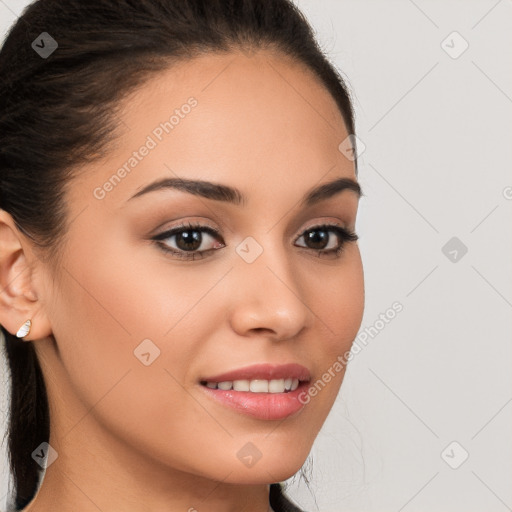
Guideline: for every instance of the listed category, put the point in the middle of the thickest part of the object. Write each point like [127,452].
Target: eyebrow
[219,192]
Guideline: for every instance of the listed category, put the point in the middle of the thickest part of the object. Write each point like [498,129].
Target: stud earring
[24,329]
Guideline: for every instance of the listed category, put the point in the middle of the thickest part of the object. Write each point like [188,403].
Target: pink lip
[264,406]
[265,372]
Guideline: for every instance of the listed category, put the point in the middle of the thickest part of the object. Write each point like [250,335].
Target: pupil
[191,242]
[321,239]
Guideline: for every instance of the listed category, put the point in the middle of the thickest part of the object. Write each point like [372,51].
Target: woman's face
[138,328]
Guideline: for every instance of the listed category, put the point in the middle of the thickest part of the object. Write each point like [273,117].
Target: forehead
[232,118]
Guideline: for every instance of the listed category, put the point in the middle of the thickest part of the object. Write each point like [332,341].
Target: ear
[19,298]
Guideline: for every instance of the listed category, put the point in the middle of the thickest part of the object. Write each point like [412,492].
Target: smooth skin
[137,438]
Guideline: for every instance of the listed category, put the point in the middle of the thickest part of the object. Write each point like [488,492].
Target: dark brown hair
[57,112]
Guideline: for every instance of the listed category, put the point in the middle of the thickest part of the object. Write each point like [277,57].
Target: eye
[190,241]
[320,239]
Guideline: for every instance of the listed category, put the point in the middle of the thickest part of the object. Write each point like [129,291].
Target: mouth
[264,392]
[260,404]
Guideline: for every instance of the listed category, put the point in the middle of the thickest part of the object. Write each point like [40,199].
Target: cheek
[338,298]
[108,307]
[117,305]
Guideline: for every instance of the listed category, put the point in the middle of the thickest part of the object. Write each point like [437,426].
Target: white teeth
[242,385]
[257,385]
[276,386]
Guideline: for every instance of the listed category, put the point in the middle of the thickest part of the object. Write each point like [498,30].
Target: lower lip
[264,406]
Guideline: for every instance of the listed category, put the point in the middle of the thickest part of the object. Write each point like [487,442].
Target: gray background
[433,385]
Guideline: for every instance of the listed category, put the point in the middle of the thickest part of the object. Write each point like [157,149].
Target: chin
[278,466]
[262,474]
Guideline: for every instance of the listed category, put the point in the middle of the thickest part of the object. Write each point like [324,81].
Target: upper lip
[265,372]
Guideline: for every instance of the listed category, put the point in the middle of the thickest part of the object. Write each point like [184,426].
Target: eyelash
[344,234]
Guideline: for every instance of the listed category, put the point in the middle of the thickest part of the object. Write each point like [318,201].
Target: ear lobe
[18,298]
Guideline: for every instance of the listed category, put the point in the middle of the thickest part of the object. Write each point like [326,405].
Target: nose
[268,298]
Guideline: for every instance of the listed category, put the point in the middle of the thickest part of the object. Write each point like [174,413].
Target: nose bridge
[269,293]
